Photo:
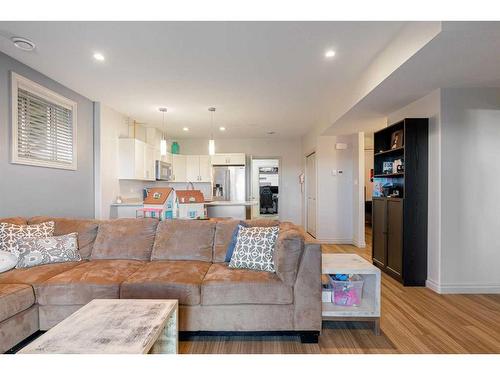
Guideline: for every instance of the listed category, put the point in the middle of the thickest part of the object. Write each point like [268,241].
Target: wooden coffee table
[369,309]
[113,326]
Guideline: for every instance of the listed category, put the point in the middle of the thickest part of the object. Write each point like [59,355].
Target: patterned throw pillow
[38,251]
[9,234]
[254,248]
[7,261]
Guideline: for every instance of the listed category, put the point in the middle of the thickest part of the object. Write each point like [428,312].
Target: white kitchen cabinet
[136,160]
[228,159]
[179,168]
[193,168]
[198,168]
[205,169]
[149,163]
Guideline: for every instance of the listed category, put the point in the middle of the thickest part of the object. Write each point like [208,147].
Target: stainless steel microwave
[163,171]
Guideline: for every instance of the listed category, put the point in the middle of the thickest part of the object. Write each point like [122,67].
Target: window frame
[17,82]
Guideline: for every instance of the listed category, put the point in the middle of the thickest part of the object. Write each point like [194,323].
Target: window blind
[44,130]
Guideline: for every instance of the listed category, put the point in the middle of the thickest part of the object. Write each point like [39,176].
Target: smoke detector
[23,43]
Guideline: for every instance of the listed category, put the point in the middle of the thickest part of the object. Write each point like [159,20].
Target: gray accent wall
[28,190]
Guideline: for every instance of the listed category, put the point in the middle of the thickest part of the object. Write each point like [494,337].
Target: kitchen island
[230,209]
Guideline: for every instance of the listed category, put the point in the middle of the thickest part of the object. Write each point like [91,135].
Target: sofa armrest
[307,289]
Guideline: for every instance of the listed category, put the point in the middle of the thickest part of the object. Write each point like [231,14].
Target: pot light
[329,53]
[222,128]
[23,43]
[185,129]
[99,56]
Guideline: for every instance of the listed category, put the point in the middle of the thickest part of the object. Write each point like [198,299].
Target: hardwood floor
[414,320]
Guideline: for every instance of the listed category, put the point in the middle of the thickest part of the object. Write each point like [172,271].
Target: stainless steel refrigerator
[229,183]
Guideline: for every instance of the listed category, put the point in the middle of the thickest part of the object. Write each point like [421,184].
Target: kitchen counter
[230,203]
[128,204]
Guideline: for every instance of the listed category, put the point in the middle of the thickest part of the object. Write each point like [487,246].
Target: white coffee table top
[108,326]
[346,263]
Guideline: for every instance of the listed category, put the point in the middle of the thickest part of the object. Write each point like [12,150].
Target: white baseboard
[359,243]
[335,241]
[341,241]
[463,288]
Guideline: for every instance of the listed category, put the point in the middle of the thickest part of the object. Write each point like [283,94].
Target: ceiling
[464,54]
[261,76]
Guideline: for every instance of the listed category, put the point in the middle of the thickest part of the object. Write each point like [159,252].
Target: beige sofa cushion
[35,275]
[15,298]
[86,229]
[14,220]
[223,235]
[179,280]
[125,239]
[225,286]
[287,254]
[184,240]
[88,281]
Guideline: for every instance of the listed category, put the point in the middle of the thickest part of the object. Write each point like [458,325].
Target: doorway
[266,181]
[311,194]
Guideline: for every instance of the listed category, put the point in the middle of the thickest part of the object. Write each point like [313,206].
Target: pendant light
[163,141]
[211,142]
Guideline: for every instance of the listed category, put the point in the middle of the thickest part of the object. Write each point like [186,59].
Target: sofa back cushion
[86,229]
[184,240]
[288,252]
[125,239]
[223,235]
[14,220]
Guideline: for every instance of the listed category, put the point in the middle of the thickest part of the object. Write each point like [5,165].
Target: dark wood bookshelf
[400,222]
[399,174]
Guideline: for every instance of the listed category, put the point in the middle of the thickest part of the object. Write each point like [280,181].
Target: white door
[311,194]
[193,168]
[205,168]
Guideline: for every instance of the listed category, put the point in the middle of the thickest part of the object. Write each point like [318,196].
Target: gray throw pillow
[38,251]
[9,234]
[255,248]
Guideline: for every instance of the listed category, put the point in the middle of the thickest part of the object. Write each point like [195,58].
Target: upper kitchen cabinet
[136,160]
[228,159]
[198,168]
[179,168]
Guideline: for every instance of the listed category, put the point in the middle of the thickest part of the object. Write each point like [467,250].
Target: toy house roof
[158,195]
[190,196]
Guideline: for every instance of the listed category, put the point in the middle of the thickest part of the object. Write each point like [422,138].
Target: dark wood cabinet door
[395,236]
[379,228]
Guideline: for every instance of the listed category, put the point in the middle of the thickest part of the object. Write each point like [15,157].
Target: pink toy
[347,293]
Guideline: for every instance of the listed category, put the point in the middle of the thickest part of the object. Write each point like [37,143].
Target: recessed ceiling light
[185,129]
[99,56]
[222,128]
[23,43]
[329,53]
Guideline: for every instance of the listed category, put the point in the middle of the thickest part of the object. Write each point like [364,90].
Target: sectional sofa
[183,260]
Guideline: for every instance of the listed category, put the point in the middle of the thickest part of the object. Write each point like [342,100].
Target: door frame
[280,184]
[306,176]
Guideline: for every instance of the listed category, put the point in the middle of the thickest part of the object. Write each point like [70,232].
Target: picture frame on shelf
[397,139]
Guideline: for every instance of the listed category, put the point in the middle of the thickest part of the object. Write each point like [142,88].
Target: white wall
[470,260]
[358,190]
[334,219]
[113,125]
[289,152]
[464,155]
[430,106]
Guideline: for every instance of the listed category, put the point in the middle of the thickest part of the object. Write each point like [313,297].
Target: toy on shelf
[159,203]
[347,289]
